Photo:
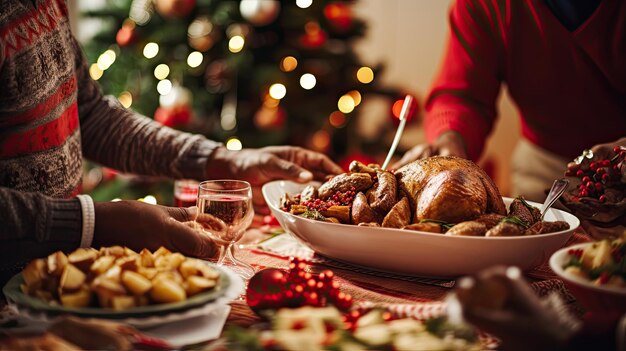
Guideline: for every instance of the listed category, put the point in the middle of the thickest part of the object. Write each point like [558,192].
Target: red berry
[606,177]
[602,198]
[583,193]
[600,171]
[599,186]
[604,277]
[586,179]
[593,166]
[606,163]
[617,149]
[580,173]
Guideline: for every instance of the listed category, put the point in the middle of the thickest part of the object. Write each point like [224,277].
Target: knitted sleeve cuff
[89,220]
[64,221]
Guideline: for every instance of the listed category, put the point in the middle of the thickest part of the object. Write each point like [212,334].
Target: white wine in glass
[224,213]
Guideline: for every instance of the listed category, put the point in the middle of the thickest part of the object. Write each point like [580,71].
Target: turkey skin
[449,189]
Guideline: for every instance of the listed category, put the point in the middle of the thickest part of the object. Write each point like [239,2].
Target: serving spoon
[558,188]
[403,117]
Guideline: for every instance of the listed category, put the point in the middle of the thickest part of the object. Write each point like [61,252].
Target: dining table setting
[372,259]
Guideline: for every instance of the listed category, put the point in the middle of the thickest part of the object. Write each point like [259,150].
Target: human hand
[448,144]
[500,302]
[259,166]
[139,225]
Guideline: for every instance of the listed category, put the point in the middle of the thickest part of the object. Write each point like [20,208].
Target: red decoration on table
[274,288]
[600,177]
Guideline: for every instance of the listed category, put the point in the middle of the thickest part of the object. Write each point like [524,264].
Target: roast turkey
[449,189]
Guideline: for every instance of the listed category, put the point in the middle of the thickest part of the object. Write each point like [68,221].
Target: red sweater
[569,87]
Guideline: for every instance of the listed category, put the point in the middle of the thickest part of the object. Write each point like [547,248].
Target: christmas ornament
[218,77]
[271,289]
[314,37]
[126,35]
[175,108]
[259,12]
[174,8]
[339,15]
[202,34]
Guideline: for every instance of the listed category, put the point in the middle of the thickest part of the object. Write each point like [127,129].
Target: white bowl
[591,296]
[413,252]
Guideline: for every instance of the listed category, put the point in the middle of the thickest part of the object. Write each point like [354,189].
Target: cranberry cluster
[338,199]
[600,175]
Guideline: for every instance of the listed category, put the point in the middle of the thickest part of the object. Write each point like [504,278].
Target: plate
[34,306]
[413,252]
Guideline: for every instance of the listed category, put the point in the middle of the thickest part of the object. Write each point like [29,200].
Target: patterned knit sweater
[51,114]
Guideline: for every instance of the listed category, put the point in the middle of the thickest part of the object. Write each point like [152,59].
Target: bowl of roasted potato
[115,283]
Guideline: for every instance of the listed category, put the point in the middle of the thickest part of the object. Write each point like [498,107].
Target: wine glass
[224,213]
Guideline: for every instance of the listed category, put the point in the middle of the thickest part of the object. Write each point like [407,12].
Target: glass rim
[244,185]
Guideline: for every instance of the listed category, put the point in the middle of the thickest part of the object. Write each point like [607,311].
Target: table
[411,296]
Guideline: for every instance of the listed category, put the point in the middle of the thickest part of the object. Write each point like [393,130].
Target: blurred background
[326,75]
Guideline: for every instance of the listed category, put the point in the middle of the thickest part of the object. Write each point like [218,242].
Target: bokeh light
[161,71]
[195,59]
[356,96]
[346,104]
[149,200]
[365,75]
[288,64]
[337,119]
[278,91]
[95,72]
[164,87]
[151,50]
[234,144]
[321,140]
[126,99]
[235,44]
[303,4]
[307,81]
[106,59]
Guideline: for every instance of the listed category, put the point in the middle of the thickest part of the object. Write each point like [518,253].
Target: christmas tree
[249,73]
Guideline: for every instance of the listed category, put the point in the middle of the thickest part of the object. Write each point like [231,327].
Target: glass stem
[224,250]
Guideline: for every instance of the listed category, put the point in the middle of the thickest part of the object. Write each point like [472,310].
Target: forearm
[34,225]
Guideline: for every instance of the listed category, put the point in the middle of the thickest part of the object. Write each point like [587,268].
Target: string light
[288,64]
[235,44]
[126,99]
[151,50]
[106,59]
[234,144]
[195,59]
[356,96]
[337,119]
[161,71]
[95,72]
[365,75]
[307,81]
[346,104]
[164,87]
[303,4]
[278,91]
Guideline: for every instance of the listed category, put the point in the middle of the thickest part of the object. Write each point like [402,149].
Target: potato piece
[34,273]
[136,283]
[207,271]
[141,301]
[308,193]
[113,273]
[102,265]
[385,195]
[577,272]
[162,251]
[116,251]
[147,259]
[469,228]
[149,273]
[430,227]
[399,216]
[169,275]
[165,291]
[175,260]
[56,263]
[603,255]
[122,302]
[362,212]
[71,279]
[106,289]
[79,299]
[298,209]
[130,263]
[188,268]
[82,258]
[195,285]
[129,251]
[333,220]
[340,212]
